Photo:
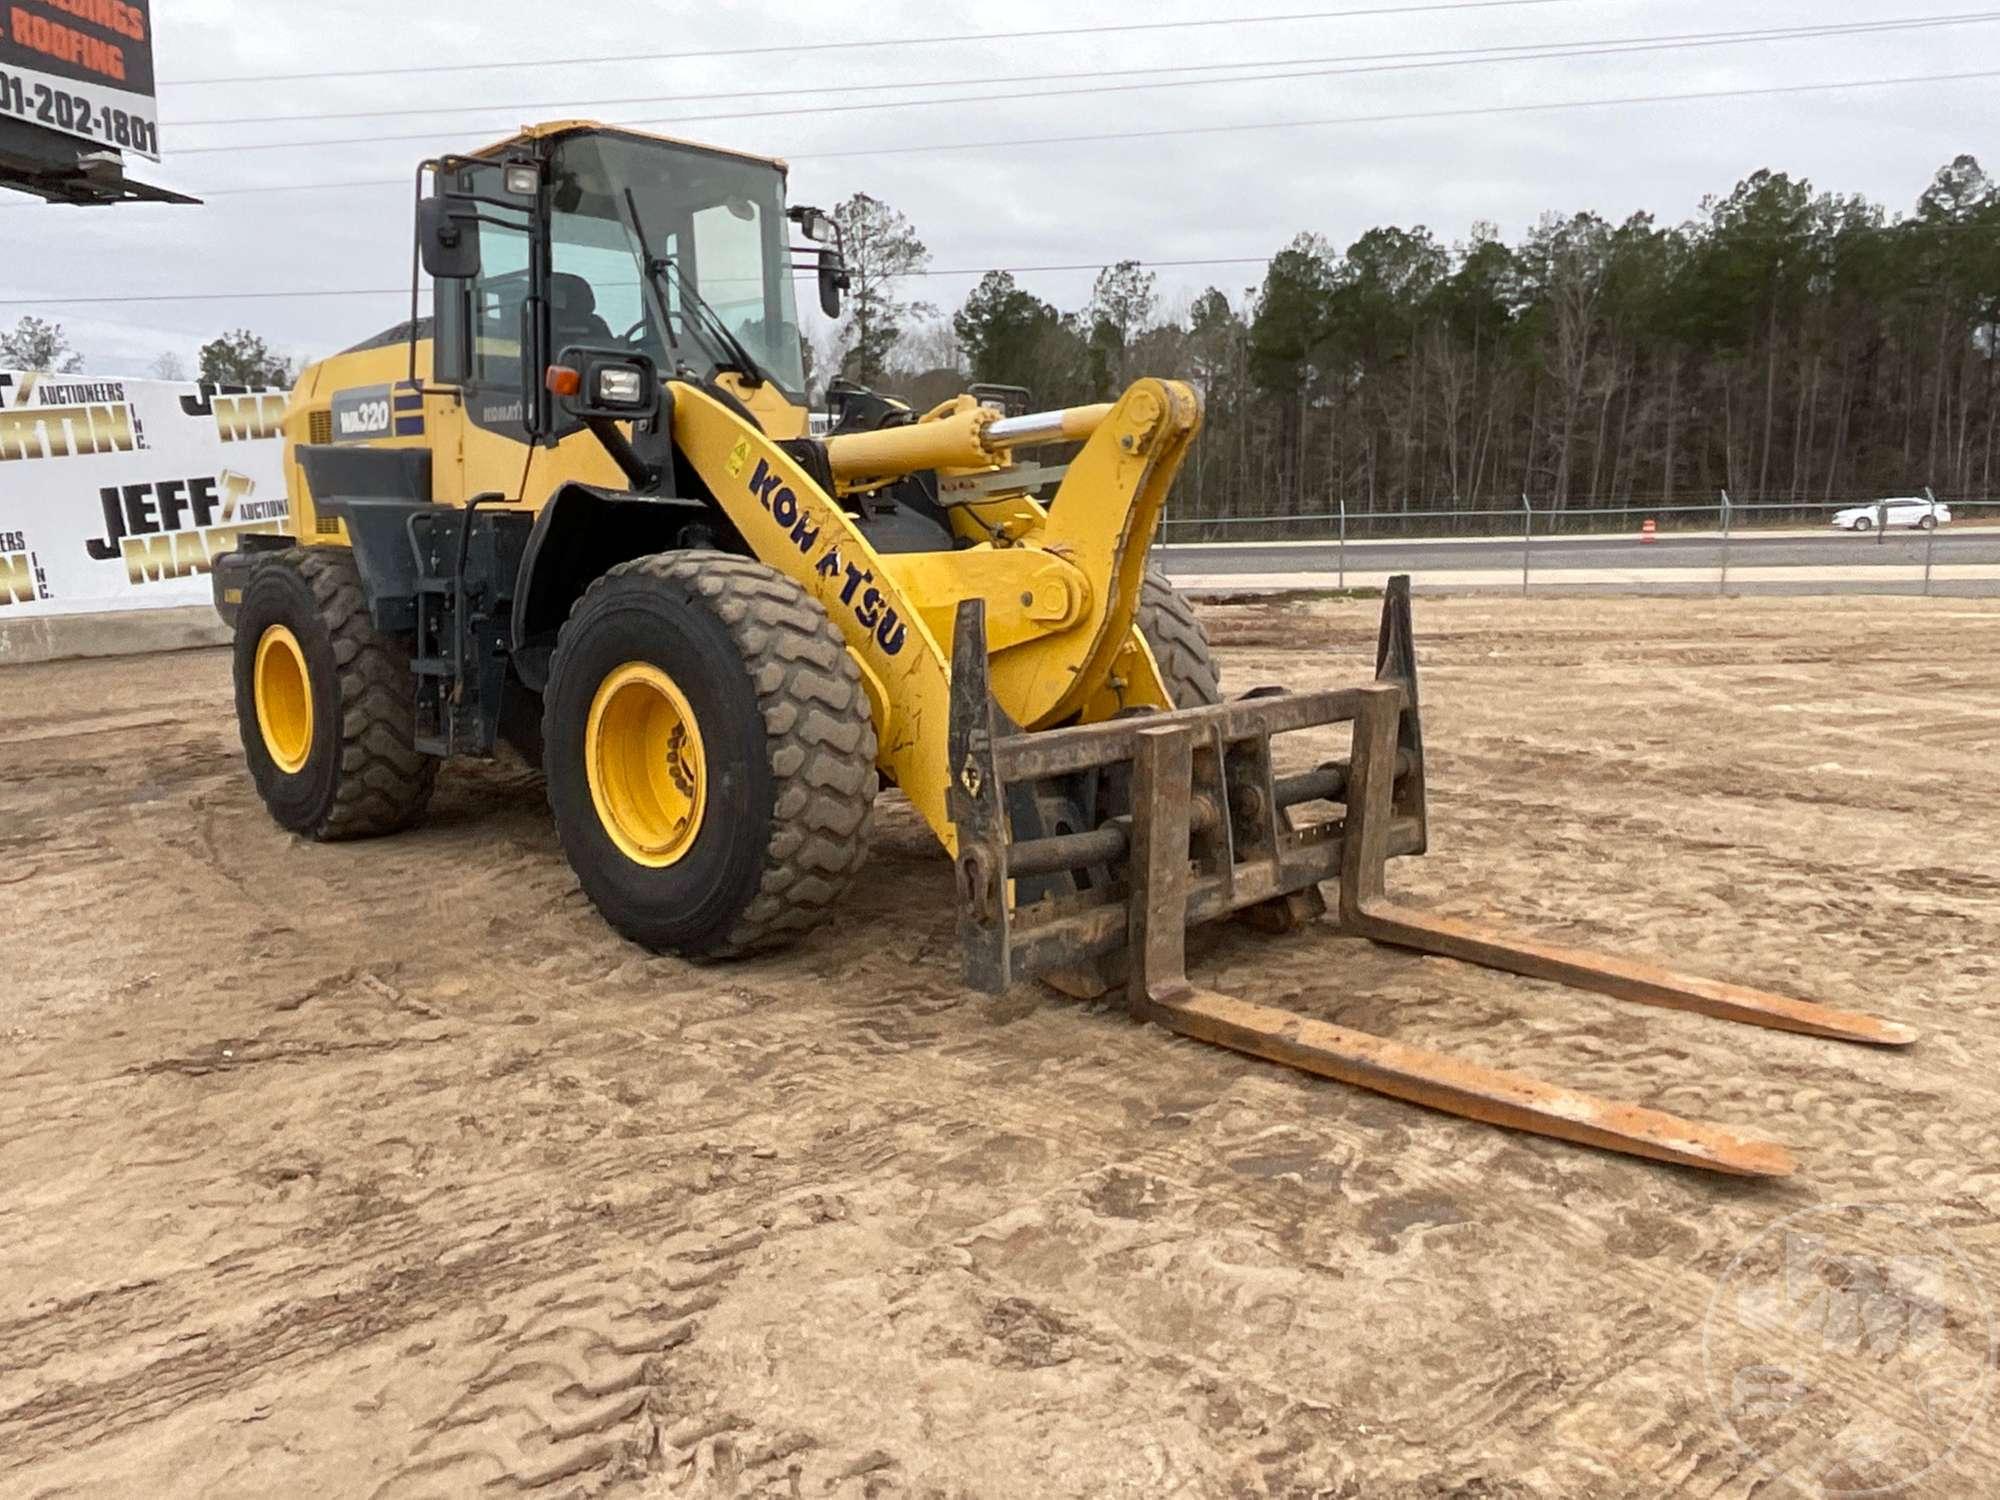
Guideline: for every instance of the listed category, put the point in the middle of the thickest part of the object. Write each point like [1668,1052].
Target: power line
[404,291]
[531,106]
[1402,117]
[1406,117]
[627,58]
[1416,62]
[927,273]
[1533,49]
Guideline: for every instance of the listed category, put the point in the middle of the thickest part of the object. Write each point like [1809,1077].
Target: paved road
[1553,554]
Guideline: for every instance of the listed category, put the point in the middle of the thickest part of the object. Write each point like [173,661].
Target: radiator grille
[319,429]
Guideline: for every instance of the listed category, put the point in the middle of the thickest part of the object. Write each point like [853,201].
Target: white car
[1917,513]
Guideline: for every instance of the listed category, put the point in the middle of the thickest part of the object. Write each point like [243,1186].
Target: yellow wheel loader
[579,509]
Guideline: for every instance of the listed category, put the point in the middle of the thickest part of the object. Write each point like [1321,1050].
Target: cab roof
[552,128]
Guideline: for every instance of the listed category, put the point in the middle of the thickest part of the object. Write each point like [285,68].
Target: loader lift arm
[1061,595]
[1212,832]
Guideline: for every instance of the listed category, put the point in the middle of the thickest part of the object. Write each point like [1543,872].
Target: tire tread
[385,782]
[1180,645]
[818,731]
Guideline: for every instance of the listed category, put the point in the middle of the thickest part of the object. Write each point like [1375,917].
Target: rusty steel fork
[1211,831]
[1159,991]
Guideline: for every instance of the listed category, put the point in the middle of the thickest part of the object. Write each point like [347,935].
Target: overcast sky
[1176,197]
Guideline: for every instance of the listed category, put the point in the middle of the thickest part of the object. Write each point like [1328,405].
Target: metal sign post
[1527,540]
[1343,546]
[1930,538]
[1722,583]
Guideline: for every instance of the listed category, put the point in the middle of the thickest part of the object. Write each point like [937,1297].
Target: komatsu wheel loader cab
[579,509]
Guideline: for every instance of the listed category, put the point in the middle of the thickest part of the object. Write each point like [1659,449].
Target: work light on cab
[620,385]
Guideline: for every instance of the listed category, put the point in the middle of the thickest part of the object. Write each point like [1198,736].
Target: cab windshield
[719,219]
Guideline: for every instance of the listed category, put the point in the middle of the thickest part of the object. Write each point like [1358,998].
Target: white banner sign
[119,494]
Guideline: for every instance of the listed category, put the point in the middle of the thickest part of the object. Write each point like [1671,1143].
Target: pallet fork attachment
[1198,824]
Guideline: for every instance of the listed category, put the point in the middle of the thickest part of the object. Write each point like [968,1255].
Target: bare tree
[36,344]
[882,249]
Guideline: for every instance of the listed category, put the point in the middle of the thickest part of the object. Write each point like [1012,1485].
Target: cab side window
[498,293]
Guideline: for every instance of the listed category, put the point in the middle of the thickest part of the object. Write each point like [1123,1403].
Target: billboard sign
[82,68]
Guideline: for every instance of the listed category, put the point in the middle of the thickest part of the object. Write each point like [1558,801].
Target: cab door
[487,337]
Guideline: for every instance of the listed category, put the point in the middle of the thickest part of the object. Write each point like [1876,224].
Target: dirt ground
[386,1170]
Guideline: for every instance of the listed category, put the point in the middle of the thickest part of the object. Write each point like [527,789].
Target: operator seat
[573,312]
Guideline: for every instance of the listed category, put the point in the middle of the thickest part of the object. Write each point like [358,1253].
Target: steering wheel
[631,335]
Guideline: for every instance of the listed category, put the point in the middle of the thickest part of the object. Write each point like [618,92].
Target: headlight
[620,386]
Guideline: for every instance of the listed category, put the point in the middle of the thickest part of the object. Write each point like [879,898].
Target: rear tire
[764,818]
[1179,644]
[326,704]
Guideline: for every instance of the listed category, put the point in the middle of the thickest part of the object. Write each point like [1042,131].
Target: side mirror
[447,238]
[604,384]
[833,280]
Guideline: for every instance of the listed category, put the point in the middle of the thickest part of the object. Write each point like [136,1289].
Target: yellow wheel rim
[648,774]
[284,699]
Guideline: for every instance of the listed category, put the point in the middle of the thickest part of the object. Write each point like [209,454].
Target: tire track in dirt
[1514,1389]
[867,1040]
[573,1391]
[1181,1267]
[1034,1113]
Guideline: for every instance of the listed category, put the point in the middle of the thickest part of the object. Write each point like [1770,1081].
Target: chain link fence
[1920,529]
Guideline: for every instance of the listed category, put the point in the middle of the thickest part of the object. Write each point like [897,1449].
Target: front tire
[710,754]
[1864,523]
[326,704]
[1179,644]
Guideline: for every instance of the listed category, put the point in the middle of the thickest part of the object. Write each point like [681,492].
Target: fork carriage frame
[1214,830]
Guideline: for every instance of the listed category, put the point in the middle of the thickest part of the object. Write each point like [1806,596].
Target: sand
[387,1170]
